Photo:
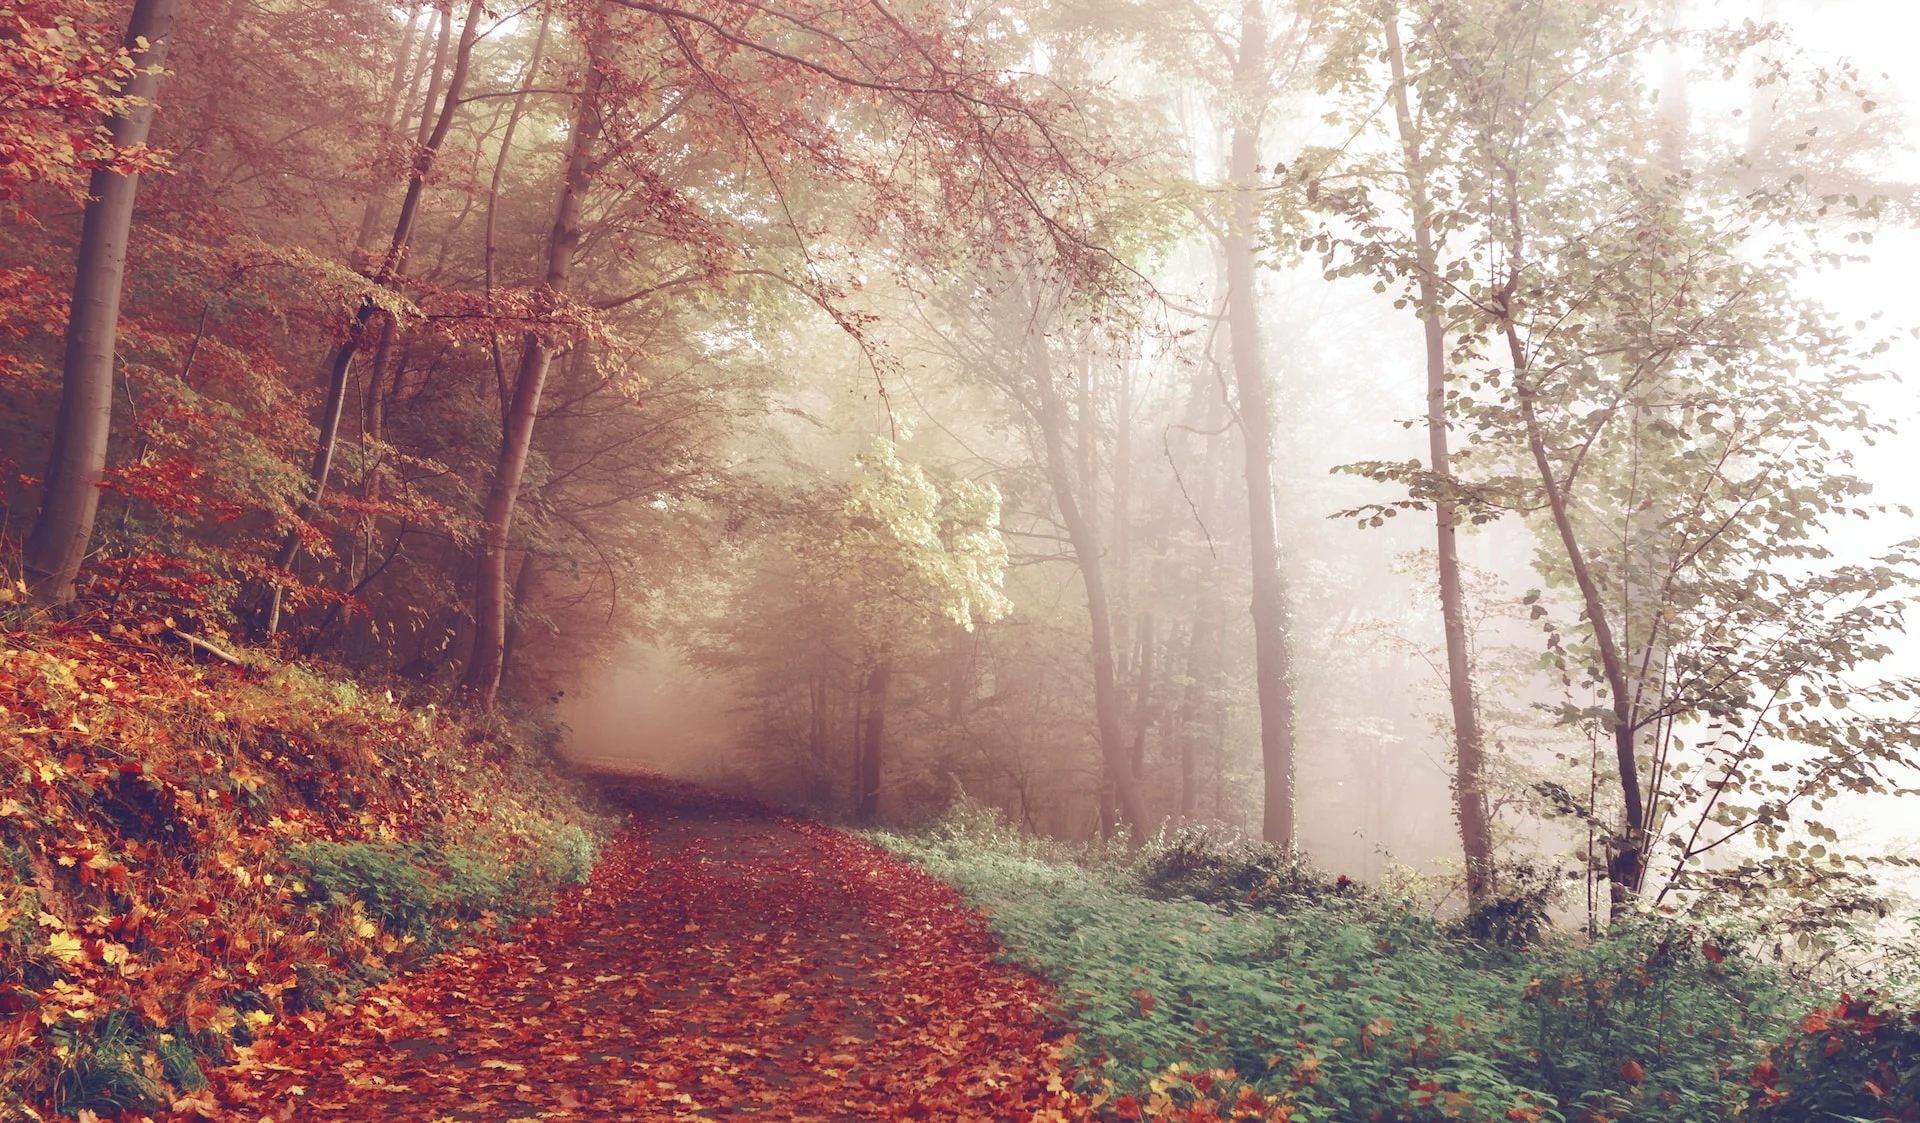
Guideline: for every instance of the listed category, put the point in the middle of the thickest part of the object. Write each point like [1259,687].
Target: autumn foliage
[1857,1059]
[155,912]
[721,959]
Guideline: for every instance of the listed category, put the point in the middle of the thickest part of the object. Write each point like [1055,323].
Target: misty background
[1374,764]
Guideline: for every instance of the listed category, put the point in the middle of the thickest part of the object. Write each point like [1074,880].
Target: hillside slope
[192,851]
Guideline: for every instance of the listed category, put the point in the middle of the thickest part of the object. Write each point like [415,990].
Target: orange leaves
[1145,998]
[1632,1073]
[152,800]
[721,963]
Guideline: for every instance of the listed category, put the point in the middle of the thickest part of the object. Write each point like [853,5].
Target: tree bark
[1469,778]
[523,588]
[70,498]
[873,739]
[482,679]
[1272,646]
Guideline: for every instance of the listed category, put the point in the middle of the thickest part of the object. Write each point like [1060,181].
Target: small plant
[1857,1060]
[105,1069]
[411,889]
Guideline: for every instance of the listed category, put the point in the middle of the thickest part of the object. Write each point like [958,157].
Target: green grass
[1354,1005]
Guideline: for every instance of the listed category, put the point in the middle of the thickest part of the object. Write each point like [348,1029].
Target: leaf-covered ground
[723,963]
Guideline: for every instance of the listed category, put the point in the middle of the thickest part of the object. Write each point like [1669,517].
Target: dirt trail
[723,964]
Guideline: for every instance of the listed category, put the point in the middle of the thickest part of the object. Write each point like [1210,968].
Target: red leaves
[720,962]
[1850,1055]
[1632,1073]
[1145,998]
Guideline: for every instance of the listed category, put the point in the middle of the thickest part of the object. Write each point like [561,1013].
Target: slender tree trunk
[1469,779]
[1143,696]
[1628,861]
[70,497]
[536,357]
[524,583]
[1203,648]
[403,64]
[506,139]
[363,317]
[873,739]
[817,726]
[1085,539]
[1272,646]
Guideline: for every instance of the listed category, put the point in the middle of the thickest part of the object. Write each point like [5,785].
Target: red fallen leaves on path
[722,964]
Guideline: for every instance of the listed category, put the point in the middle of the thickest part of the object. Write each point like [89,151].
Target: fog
[1003,714]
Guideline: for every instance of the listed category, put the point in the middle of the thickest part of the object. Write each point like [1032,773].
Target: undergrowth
[1202,975]
[191,853]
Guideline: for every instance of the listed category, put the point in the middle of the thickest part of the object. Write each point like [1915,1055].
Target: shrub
[1655,1020]
[1203,865]
[1519,915]
[1858,1059]
[562,853]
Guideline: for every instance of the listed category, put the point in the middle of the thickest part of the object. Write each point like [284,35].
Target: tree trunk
[70,497]
[409,68]
[817,726]
[1469,781]
[390,267]
[1628,861]
[523,587]
[873,740]
[1271,644]
[482,679]
[1085,540]
[506,140]
[1142,696]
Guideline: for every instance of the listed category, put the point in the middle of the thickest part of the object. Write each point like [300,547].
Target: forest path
[724,963]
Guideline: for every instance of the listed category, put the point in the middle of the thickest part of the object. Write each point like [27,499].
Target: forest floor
[723,963]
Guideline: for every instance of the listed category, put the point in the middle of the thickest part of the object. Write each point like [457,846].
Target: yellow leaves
[62,999]
[201,1104]
[365,929]
[509,1066]
[257,1020]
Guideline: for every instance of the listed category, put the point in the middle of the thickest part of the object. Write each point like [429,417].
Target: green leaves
[938,553]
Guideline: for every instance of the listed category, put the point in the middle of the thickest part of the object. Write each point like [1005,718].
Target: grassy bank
[191,851]
[1196,970]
